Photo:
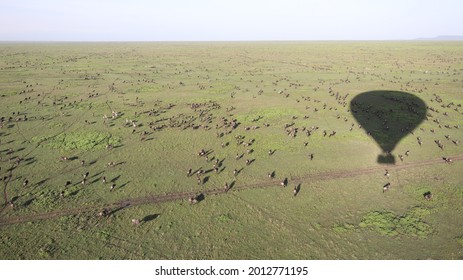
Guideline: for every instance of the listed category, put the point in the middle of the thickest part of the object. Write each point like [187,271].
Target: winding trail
[156,199]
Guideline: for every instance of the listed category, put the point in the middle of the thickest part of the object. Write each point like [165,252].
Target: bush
[383,223]
[223,218]
[389,224]
[78,141]
[343,228]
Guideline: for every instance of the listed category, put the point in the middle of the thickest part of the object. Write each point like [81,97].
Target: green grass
[68,89]
[84,141]
[390,224]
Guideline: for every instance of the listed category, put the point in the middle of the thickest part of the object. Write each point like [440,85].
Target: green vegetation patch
[389,224]
[460,240]
[224,218]
[85,141]
[46,199]
[268,115]
[343,228]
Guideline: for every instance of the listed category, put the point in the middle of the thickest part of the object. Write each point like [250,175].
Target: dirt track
[130,202]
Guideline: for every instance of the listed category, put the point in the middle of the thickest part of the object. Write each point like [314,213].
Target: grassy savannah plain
[137,114]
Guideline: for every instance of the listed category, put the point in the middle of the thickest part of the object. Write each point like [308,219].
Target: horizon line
[229,41]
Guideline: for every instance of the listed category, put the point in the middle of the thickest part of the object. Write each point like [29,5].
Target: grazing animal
[407,153]
[82,162]
[189,172]
[25,182]
[401,158]
[103,213]
[386,187]
[447,160]
[135,222]
[387,173]
[112,187]
[226,187]
[104,180]
[193,200]
[295,190]
[427,195]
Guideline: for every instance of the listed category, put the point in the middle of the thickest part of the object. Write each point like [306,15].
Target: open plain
[231,150]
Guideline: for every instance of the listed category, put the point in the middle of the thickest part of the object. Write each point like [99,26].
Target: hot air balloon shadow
[388,116]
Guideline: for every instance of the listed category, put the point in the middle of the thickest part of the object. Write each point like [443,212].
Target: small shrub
[46,199]
[420,212]
[85,141]
[343,228]
[389,224]
[223,218]
[383,223]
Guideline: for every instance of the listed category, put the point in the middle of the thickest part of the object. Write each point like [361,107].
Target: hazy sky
[181,20]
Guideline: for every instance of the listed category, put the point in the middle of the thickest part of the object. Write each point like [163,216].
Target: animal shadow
[150,218]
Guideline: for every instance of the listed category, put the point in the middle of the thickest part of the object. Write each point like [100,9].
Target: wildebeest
[103,213]
[386,187]
[193,200]
[284,182]
[296,189]
[427,195]
[447,160]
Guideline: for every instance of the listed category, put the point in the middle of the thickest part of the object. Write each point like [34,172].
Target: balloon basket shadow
[386,159]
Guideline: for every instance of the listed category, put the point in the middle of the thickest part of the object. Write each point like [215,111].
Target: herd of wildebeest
[209,116]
